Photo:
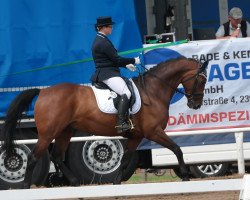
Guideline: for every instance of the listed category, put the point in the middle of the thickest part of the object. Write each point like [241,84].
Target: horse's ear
[204,65]
[203,68]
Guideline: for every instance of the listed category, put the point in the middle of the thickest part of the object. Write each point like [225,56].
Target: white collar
[232,28]
[102,33]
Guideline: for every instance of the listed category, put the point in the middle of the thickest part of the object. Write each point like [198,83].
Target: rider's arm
[118,61]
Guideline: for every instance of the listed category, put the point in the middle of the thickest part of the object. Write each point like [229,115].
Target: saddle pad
[105,98]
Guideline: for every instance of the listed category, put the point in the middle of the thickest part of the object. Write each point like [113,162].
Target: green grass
[150,177]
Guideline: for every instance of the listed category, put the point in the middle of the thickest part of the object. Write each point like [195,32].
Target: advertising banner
[226,102]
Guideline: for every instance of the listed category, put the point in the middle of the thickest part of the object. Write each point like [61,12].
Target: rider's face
[235,22]
[109,29]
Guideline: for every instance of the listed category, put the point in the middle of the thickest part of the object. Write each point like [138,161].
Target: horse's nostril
[197,106]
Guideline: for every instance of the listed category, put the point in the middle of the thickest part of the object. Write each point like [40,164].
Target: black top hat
[104,21]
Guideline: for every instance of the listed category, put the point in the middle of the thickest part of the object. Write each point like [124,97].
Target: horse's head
[194,85]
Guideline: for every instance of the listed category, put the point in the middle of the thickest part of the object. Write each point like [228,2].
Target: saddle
[103,86]
[107,100]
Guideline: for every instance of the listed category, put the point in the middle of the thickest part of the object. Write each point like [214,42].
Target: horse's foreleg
[183,168]
[124,163]
[126,158]
[161,138]
[57,154]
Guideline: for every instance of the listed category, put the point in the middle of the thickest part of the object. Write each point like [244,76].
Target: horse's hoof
[118,179]
[185,179]
[74,182]
[25,186]
[117,183]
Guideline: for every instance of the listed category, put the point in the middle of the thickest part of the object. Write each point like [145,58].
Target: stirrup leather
[131,124]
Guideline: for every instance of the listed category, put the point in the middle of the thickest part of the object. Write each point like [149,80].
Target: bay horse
[64,108]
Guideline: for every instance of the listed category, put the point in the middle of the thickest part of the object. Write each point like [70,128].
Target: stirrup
[121,128]
[125,126]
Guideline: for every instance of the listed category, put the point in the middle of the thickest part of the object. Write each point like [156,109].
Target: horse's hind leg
[57,155]
[161,138]
[32,160]
[33,157]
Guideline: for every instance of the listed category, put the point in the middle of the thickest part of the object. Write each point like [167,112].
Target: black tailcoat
[106,59]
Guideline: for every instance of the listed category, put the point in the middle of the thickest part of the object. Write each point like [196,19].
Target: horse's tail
[14,113]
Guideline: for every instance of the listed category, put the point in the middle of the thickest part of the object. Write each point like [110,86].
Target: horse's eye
[203,82]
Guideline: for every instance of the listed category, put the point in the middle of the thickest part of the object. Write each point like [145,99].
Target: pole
[240,153]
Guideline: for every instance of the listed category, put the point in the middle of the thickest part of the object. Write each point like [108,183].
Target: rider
[107,63]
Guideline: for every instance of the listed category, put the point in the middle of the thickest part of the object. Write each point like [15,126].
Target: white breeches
[118,85]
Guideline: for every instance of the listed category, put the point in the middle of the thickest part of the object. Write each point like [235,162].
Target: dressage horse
[64,108]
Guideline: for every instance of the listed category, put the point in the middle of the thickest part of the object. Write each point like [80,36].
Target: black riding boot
[122,125]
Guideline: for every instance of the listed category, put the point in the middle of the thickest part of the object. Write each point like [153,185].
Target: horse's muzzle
[193,105]
[197,106]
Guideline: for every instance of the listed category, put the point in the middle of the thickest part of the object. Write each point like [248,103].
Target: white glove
[131,67]
[137,60]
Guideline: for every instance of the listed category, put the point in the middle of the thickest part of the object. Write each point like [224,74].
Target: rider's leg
[120,87]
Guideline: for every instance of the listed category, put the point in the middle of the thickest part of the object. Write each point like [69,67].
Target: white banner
[226,102]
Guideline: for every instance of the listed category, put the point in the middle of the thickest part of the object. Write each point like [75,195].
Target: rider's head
[104,25]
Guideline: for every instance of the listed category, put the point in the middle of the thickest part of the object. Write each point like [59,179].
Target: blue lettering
[215,72]
[246,70]
[230,73]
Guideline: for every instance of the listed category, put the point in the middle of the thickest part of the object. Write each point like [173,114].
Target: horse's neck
[160,87]
[165,79]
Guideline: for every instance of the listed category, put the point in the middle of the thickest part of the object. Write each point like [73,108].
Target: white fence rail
[242,185]
[238,138]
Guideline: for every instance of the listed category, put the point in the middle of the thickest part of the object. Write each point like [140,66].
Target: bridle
[190,96]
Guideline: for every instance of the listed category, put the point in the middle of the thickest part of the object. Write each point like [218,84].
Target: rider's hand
[236,33]
[131,67]
[137,60]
